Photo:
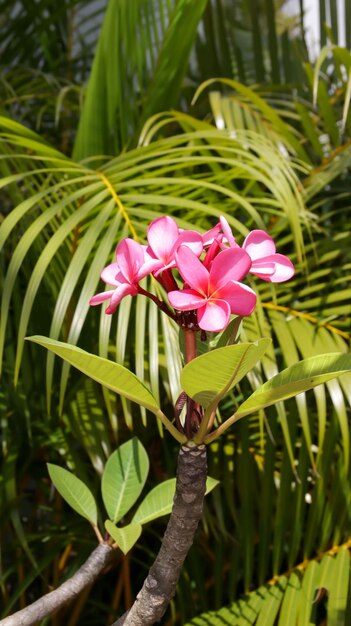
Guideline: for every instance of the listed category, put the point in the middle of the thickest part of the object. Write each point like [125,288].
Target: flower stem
[161,305]
[190,344]
[194,411]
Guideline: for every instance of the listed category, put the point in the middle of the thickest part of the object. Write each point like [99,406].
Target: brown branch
[69,590]
[160,585]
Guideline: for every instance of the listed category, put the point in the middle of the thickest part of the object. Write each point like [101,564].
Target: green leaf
[74,491]
[159,500]
[112,375]
[156,503]
[208,377]
[164,89]
[124,478]
[125,537]
[296,379]
[269,112]
[113,110]
[273,601]
[339,589]
[290,604]
[291,601]
[309,585]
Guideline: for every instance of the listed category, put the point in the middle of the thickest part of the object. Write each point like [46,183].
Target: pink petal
[210,235]
[263,269]
[162,267]
[162,235]
[191,239]
[283,268]
[123,290]
[109,274]
[227,231]
[147,255]
[211,253]
[191,270]
[241,298]
[130,257]
[231,264]
[214,316]
[100,297]
[258,244]
[186,300]
[147,268]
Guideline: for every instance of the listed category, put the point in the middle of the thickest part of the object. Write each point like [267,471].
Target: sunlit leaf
[210,376]
[124,477]
[291,599]
[125,536]
[159,500]
[296,379]
[74,491]
[112,375]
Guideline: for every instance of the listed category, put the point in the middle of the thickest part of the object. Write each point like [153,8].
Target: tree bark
[160,585]
[69,590]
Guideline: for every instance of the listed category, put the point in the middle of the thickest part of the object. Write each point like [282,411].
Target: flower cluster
[211,267]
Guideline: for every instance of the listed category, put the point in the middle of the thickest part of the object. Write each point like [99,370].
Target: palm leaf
[292,599]
[107,124]
[147,175]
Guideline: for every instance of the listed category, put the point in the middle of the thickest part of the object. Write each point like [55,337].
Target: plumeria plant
[200,287]
[201,274]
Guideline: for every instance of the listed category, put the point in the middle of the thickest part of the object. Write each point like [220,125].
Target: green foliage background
[112,115]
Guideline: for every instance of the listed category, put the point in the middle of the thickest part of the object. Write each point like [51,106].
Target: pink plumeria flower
[131,266]
[211,235]
[266,263]
[224,236]
[212,240]
[164,238]
[227,231]
[215,293]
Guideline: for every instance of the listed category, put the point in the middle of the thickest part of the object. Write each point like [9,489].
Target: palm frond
[73,220]
[318,589]
[151,72]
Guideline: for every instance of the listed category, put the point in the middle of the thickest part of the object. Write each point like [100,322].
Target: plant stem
[160,585]
[190,344]
[161,305]
[67,592]
[194,410]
